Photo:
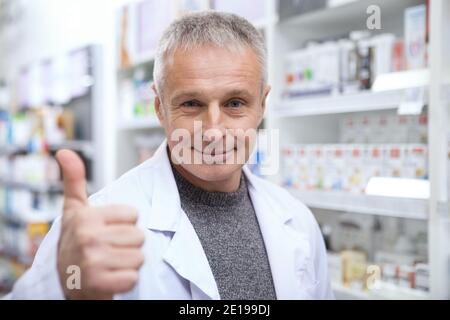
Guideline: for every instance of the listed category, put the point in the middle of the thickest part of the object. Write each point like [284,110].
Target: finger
[117,281]
[123,235]
[74,178]
[118,213]
[117,258]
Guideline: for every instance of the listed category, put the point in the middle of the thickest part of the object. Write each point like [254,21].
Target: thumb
[74,178]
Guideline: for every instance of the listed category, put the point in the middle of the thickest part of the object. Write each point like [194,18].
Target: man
[192,222]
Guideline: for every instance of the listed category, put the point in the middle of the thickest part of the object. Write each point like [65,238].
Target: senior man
[192,222]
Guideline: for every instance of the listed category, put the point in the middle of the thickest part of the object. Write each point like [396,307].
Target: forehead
[210,67]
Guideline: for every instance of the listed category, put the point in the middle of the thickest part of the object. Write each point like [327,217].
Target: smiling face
[215,95]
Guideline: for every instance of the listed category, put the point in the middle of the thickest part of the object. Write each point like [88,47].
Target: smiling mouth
[214,152]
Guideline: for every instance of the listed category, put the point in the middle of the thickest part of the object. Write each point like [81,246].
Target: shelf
[364,204]
[387,291]
[338,14]
[142,123]
[138,62]
[23,221]
[11,219]
[86,147]
[37,188]
[8,150]
[17,257]
[357,102]
[79,145]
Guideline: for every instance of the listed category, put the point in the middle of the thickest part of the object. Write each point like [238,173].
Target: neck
[230,184]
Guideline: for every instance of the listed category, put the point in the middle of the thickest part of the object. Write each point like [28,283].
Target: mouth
[214,152]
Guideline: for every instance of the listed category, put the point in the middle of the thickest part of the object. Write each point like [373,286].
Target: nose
[213,120]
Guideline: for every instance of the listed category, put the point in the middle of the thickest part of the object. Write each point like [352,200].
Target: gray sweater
[228,229]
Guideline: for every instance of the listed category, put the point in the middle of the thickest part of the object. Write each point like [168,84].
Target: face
[211,103]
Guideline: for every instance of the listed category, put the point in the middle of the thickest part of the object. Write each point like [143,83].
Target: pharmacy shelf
[86,147]
[8,150]
[338,14]
[23,221]
[79,145]
[357,102]
[364,204]
[143,123]
[11,219]
[13,255]
[143,59]
[386,291]
[138,62]
[37,188]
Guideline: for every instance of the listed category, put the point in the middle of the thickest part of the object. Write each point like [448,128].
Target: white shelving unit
[386,291]
[315,120]
[358,102]
[365,204]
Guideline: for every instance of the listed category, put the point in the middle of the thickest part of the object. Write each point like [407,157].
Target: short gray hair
[208,27]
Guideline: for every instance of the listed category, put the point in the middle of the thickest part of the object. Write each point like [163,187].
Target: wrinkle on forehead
[210,63]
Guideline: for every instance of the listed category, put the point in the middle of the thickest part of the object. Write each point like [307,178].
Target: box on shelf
[349,167]
[136,98]
[312,71]
[352,64]
[416,37]
[383,128]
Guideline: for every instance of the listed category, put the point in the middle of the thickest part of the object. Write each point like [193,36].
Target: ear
[158,106]
[265,93]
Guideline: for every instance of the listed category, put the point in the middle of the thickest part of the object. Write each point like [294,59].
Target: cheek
[247,120]
[179,135]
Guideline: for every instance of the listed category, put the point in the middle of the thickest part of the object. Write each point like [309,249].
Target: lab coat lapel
[288,250]
[185,253]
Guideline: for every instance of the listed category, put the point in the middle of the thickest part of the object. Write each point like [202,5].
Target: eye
[190,104]
[235,103]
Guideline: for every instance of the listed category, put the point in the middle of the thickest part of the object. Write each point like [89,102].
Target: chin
[216,172]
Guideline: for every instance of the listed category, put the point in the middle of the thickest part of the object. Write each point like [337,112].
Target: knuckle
[84,238]
[81,219]
[140,236]
[93,281]
[130,281]
[140,259]
[89,258]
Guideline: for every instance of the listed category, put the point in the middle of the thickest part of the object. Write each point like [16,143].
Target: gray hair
[208,27]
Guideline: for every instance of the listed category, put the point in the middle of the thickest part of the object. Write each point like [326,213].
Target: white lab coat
[175,265]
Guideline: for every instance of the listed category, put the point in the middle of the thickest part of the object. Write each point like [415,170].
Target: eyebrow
[186,95]
[193,94]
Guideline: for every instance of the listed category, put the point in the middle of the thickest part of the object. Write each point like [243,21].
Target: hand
[104,242]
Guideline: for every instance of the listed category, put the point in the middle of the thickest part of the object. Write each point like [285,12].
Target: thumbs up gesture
[103,242]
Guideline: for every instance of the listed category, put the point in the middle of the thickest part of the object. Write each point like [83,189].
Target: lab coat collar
[165,213]
[165,197]
[185,253]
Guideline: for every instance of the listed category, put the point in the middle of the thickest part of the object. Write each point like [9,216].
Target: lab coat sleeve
[323,290]
[41,281]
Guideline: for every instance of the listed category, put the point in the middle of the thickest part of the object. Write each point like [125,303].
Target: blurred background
[360,98]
